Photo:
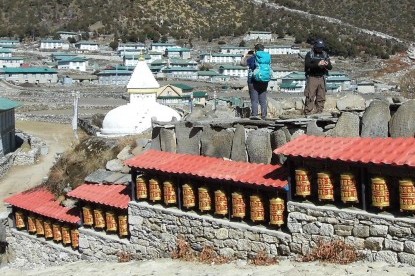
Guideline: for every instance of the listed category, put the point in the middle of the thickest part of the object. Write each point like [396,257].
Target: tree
[113,45]
[242,43]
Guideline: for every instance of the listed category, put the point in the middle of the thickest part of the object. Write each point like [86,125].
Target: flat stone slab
[98,176]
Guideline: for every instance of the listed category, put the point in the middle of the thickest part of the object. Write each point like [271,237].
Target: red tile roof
[210,168]
[379,151]
[111,195]
[42,202]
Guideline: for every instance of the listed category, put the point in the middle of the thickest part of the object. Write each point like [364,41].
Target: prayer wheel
[155,190]
[380,193]
[221,203]
[205,201]
[141,188]
[57,232]
[111,221]
[257,208]
[20,220]
[238,205]
[169,193]
[31,224]
[348,188]
[47,225]
[189,199]
[74,238]
[99,218]
[66,235]
[302,183]
[276,211]
[40,231]
[123,225]
[325,186]
[88,216]
[406,195]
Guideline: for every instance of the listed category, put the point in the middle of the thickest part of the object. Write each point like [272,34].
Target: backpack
[263,70]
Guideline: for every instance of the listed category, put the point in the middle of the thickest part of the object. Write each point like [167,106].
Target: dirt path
[58,138]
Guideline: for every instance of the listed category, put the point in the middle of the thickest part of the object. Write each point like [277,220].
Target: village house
[89,46]
[11,62]
[338,81]
[179,72]
[174,95]
[57,56]
[233,50]
[221,58]
[294,83]
[234,71]
[35,75]
[73,63]
[64,35]
[207,75]
[132,60]
[7,126]
[114,77]
[154,55]
[5,52]
[9,42]
[50,44]
[178,52]
[130,49]
[161,47]
[282,49]
[258,35]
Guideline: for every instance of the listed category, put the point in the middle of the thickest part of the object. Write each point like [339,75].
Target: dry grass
[183,251]
[124,257]
[262,258]
[336,251]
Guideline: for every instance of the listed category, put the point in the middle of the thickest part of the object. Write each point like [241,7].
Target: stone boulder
[275,108]
[217,142]
[351,102]
[331,103]
[375,120]
[313,129]
[347,126]
[188,138]
[125,153]
[278,139]
[155,138]
[258,146]
[402,123]
[238,152]
[115,165]
[167,140]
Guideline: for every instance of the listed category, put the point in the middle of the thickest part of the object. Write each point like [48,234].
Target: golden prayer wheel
[111,221]
[302,183]
[205,201]
[325,186]
[47,226]
[20,221]
[57,232]
[99,218]
[31,224]
[406,195]
[380,193]
[169,193]
[40,231]
[88,216]
[238,205]
[66,235]
[276,211]
[189,199]
[348,188]
[74,238]
[155,190]
[221,203]
[257,208]
[123,225]
[141,188]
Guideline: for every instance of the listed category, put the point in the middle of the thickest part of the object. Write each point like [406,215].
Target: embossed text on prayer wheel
[47,224]
[40,231]
[221,203]
[325,186]
[302,183]
[66,235]
[380,193]
[20,220]
[99,218]
[155,190]
[88,216]
[57,232]
[238,205]
[205,201]
[276,211]
[123,225]
[141,188]
[348,188]
[406,195]
[169,193]
[31,224]
[257,208]
[111,221]
[189,198]
[74,238]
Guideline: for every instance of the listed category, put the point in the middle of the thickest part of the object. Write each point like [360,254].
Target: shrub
[336,251]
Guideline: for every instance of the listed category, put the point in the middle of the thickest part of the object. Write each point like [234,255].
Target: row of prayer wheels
[166,192]
[349,191]
[105,220]
[49,229]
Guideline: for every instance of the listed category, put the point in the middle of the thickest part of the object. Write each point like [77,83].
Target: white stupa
[135,117]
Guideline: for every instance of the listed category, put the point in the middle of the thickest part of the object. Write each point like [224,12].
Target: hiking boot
[254,118]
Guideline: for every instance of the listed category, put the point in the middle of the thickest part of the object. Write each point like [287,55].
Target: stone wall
[6,163]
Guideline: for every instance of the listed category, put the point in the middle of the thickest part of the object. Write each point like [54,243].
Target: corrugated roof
[42,202]
[379,151]
[210,168]
[6,104]
[116,196]
[29,70]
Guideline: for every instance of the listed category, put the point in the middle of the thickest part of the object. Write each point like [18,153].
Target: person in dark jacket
[316,66]
[257,90]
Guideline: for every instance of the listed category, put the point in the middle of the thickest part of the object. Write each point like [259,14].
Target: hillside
[187,20]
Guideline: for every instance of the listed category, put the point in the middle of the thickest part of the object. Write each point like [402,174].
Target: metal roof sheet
[379,151]
[210,168]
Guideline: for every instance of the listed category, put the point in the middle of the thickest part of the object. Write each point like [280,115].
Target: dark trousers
[258,95]
[315,94]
